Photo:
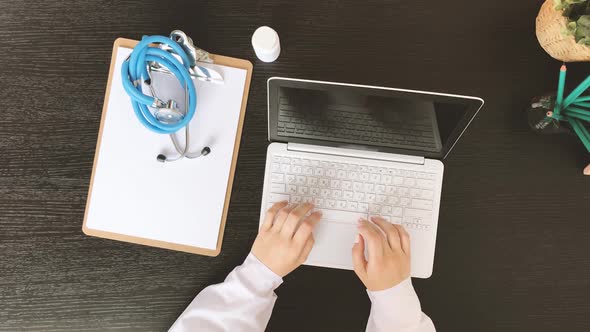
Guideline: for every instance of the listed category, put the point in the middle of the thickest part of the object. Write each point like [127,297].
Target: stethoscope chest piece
[169,114]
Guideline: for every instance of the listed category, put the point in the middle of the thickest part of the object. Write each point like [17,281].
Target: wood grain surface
[512,249]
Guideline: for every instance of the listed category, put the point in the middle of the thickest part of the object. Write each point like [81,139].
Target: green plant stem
[582,104]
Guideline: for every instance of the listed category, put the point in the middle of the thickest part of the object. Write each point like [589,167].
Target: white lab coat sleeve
[397,309]
[243,302]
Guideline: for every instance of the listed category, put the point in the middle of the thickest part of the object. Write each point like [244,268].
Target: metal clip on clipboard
[194,54]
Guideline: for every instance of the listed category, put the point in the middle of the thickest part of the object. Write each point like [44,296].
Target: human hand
[587,170]
[285,238]
[389,254]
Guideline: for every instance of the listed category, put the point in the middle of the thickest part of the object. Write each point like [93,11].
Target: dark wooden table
[513,248]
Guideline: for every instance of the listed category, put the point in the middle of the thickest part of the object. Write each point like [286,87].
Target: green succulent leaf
[577,13]
[584,41]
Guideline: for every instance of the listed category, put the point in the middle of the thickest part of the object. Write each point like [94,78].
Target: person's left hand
[285,238]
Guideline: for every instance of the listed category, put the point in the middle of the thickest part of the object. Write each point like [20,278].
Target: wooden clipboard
[219,60]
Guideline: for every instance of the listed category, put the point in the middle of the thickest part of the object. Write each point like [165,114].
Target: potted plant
[563,29]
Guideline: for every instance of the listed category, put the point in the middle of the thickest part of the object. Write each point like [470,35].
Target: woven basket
[550,27]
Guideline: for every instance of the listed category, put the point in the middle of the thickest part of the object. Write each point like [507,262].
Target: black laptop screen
[379,119]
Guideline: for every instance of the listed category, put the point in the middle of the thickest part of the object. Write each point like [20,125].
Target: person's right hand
[389,254]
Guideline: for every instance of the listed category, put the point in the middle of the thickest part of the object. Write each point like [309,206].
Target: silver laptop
[360,151]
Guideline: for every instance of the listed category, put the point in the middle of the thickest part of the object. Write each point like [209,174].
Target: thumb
[358,257]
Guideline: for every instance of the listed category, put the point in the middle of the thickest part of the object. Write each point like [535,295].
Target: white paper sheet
[179,202]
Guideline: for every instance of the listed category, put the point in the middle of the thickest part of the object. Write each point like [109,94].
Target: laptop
[357,151]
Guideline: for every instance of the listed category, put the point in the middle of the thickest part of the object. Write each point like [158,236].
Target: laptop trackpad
[333,245]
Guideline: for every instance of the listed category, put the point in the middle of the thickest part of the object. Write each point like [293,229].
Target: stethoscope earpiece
[162,158]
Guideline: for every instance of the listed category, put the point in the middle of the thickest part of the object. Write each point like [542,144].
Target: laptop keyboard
[345,192]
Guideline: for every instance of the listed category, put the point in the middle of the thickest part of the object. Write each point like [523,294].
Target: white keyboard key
[325,193]
[416,193]
[275,167]
[341,174]
[380,189]
[330,172]
[390,190]
[397,211]
[290,178]
[315,163]
[421,204]
[319,171]
[403,192]
[291,189]
[314,191]
[409,182]
[374,209]
[387,179]
[386,210]
[307,170]
[393,200]
[296,161]
[357,186]
[363,207]
[419,214]
[311,181]
[380,198]
[300,179]
[375,178]
[302,190]
[347,195]
[305,162]
[335,184]
[396,220]
[336,194]
[296,169]
[370,198]
[352,206]
[369,187]
[286,160]
[364,177]
[274,198]
[426,184]
[427,194]
[286,168]
[319,202]
[342,216]
[276,159]
[359,197]
[331,203]
[398,180]
[405,201]
[295,199]
[277,178]
[346,185]
[341,205]
[277,188]
[307,199]
[353,175]
[324,182]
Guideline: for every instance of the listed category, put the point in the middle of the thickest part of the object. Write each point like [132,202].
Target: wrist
[262,272]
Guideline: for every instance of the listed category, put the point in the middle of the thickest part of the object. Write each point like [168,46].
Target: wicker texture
[550,27]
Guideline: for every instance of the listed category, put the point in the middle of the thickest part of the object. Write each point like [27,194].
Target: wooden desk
[512,254]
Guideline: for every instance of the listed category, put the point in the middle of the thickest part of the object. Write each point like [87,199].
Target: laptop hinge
[355,153]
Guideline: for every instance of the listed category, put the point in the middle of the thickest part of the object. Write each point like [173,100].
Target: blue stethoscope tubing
[134,71]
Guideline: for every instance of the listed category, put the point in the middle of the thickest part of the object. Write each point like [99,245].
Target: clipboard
[169,244]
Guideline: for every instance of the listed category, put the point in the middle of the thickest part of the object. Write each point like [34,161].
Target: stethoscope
[178,56]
